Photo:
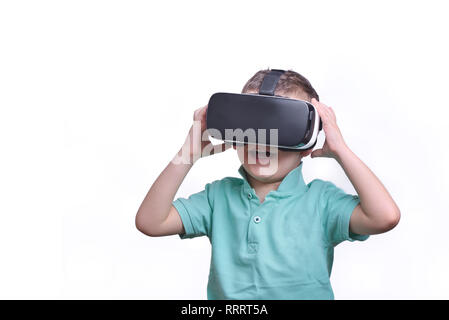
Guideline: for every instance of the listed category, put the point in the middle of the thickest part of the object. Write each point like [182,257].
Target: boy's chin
[261,172]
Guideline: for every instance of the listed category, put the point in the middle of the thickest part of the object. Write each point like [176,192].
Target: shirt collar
[293,183]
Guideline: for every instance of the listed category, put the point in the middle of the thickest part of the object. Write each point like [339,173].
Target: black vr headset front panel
[251,111]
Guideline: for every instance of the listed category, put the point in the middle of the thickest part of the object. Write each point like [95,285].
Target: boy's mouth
[259,154]
[262,154]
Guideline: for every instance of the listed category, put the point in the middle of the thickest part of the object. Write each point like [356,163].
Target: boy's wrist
[342,153]
[183,156]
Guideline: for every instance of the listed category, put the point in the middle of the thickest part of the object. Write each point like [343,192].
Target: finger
[202,113]
[195,113]
[316,104]
[205,143]
[317,153]
[321,111]
[198,112]
[332,114]
[221,148]
[210,149]
[325,108]
[319,106]
[322,106]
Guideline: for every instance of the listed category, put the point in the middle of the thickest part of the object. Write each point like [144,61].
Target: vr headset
[249,118]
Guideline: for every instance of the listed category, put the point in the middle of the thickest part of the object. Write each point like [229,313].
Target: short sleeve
[195,213]
[337,210]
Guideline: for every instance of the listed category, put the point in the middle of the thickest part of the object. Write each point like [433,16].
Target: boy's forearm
[157,203]
[375,200]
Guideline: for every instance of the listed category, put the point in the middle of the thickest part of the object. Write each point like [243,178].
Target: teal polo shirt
[282,248]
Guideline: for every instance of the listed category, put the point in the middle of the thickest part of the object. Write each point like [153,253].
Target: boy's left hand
[334,142]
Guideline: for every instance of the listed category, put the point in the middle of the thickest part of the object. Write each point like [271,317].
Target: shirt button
[250,195]
[257,219]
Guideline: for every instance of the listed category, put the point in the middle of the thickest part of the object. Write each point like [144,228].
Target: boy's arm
[377,211]
[156,215]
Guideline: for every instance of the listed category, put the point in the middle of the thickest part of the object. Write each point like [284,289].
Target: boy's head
[275,165]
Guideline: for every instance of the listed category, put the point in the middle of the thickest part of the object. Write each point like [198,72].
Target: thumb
[220,147]
[317,153]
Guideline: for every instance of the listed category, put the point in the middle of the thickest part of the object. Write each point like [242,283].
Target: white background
[97,96]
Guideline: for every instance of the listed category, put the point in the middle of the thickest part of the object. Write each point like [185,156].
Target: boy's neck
[262,188]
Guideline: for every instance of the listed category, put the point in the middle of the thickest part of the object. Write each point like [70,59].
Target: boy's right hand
[157,216]
[197,144]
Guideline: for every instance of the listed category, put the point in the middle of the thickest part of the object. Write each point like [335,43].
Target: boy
[272,235]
